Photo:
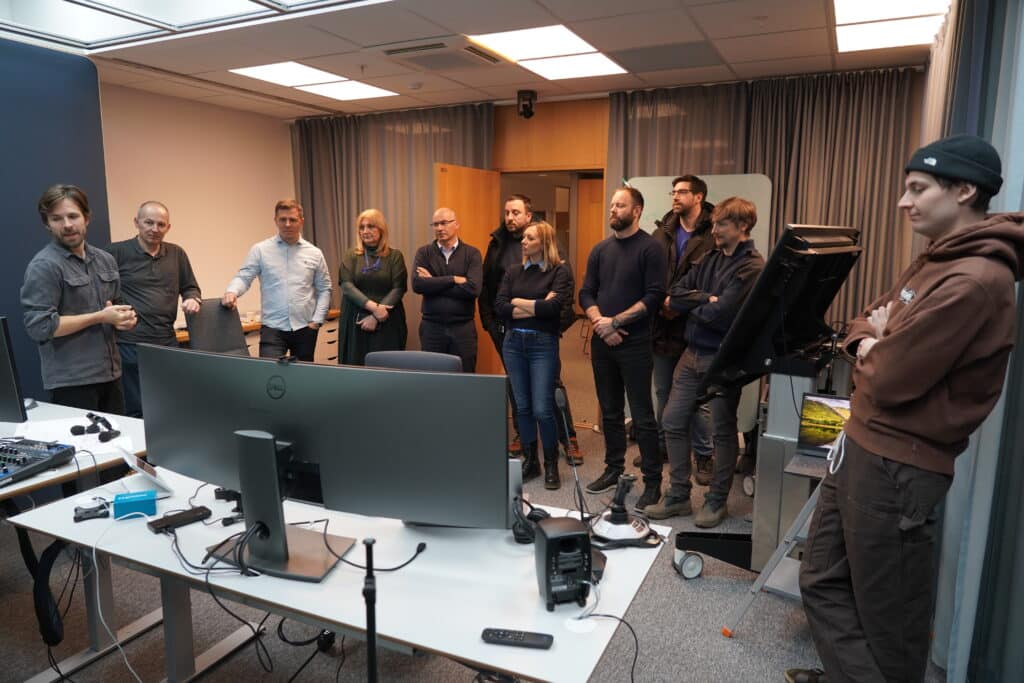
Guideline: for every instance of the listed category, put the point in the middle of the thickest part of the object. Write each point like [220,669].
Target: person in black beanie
[930,360]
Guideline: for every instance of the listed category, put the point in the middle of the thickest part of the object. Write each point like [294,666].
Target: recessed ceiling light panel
[347,90]
[574,66]
[859,11]
[534,43]
[288,73]
[884,34]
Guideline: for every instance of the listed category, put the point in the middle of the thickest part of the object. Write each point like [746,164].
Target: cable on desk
[420,547]
[591,614]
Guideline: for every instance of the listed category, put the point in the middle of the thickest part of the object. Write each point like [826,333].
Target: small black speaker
[562,549]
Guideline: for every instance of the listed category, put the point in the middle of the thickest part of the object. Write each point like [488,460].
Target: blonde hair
[377,218]
[548,244]
[288,205]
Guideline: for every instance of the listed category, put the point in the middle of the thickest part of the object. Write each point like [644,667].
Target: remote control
[501,636]
[177,519]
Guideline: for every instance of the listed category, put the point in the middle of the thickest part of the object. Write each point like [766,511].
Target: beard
[619,224]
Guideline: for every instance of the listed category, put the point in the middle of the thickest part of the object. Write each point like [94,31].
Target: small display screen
[821,419]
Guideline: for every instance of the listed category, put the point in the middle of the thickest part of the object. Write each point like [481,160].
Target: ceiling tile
[575,10]
[292,40]
[391,103]
[648,28]
[775,46]
[873,59]
[783,67]
[508,92]
[669,78]
[414,84]
[361,64]
[258,106]
[481,16]
[497,74]
[601,84]
[378,25]
[454,96]
[262,87]
[175,89]
[756,17]
[658,57]
[193,54]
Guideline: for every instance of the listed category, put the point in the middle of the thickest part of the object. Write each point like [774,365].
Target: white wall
[218,170]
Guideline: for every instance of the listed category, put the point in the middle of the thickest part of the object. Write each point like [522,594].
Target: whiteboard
[754,187]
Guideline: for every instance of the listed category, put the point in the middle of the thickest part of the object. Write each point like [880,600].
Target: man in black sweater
[710,295]
[685,235]
[624,285]
[448,274]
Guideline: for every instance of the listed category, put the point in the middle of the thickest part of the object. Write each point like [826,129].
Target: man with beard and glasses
[72,301]
[623,287]
[154,273]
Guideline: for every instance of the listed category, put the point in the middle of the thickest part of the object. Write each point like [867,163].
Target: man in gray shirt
[295,286]
[154,273]
[71,297]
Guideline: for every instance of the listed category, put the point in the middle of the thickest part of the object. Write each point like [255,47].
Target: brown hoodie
[940,365]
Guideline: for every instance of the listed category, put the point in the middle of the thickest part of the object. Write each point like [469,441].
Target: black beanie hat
[960,157]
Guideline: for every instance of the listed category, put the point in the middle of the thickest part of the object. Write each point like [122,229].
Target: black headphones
[47,612]
[524,528]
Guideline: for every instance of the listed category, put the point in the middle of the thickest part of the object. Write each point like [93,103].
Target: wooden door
[475,196]
[590,223]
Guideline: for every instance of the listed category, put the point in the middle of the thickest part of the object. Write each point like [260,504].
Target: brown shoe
[709,516]
[515,449]
[670,506]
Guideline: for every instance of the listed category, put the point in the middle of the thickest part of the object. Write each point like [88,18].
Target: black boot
[551,480]
[531,464]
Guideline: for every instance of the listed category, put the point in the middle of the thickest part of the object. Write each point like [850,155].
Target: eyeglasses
[679,193]
[441,224]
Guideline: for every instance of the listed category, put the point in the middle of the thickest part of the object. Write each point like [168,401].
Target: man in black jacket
[711,295]
[685,234]
[448,272]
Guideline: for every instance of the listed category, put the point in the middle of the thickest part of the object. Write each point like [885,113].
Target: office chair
[215,328]
[414,360]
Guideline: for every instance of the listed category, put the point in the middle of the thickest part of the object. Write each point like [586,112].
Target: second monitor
[423,447]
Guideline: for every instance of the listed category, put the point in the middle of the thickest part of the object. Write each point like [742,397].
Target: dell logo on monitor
[276,387]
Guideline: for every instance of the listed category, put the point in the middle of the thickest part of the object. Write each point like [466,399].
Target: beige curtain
[345,164]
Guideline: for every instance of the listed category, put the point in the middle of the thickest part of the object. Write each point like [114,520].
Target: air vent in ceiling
[414,48]
[477,52]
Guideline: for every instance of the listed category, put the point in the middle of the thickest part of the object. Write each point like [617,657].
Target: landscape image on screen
[821,420]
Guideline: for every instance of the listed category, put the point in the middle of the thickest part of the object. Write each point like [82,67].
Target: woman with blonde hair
[530,302]
[373,280]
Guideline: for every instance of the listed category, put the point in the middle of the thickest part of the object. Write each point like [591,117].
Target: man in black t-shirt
[154,273]
[623,287]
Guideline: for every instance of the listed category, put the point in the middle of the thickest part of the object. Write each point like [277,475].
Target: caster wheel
[691,566]
[749,485]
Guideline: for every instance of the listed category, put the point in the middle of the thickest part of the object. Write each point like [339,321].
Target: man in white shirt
[295,286]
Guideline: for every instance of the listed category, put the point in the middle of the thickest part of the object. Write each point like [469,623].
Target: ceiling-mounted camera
[524,102]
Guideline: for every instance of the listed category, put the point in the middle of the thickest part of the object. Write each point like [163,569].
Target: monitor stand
[278,549]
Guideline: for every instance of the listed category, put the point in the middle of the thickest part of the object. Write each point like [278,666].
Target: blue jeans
[700,429]
[531,361]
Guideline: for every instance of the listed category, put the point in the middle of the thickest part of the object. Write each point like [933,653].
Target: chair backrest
[414,360]
[216,328]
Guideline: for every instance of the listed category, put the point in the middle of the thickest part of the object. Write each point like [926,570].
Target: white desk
[129,426]
[465,581]
[99,592]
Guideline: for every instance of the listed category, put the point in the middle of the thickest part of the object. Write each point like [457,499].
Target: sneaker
[705,470]
[806,676]
[670,506]
[572,450]
[515,449]
[650,496]
[710,516]
[606,481]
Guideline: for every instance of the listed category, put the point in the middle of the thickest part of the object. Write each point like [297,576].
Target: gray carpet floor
[677,621]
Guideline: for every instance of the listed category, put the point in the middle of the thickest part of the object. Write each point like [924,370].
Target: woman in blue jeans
[529,304]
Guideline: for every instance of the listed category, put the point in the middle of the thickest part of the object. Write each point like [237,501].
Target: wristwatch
[615,324]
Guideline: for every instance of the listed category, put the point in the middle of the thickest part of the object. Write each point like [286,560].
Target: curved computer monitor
[781,325]
[12,403]
[422,447]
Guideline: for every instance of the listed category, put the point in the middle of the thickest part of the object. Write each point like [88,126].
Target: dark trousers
[299,343]
[626,369]
[130,383]
[867,572]
[106,397]
[677,421]
[457,339]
